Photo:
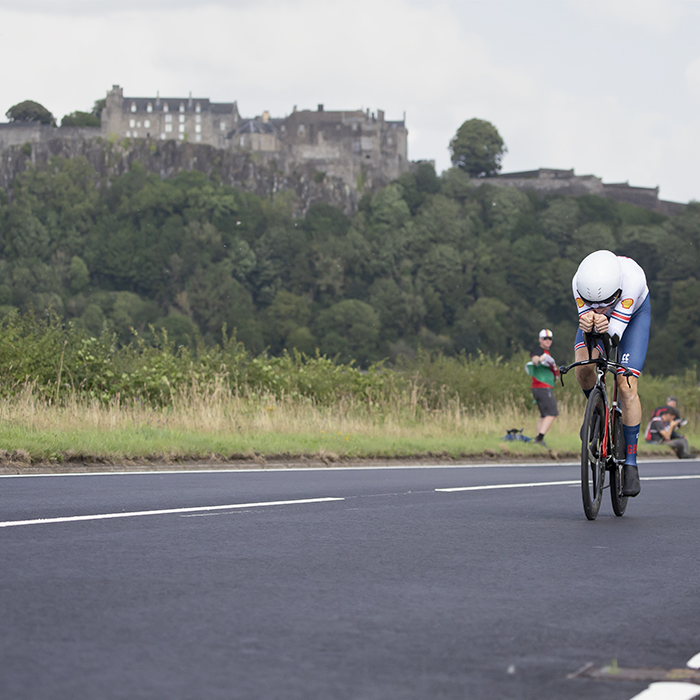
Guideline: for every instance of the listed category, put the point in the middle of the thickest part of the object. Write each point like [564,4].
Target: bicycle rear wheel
[592,460]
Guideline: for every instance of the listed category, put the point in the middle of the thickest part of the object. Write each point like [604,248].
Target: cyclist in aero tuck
[612,297]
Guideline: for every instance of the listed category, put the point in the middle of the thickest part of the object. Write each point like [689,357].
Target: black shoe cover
[630,484]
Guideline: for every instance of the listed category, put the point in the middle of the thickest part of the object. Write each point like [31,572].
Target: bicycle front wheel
[592,460]
[619,502]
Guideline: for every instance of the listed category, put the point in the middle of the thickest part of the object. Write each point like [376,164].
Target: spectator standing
[544,372]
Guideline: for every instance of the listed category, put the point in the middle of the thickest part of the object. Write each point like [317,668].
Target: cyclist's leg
[632,353]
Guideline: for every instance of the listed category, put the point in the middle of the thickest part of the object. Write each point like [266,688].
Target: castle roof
[190,103]
[257,126]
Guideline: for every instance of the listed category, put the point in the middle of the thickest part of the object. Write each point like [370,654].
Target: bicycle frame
[604,363]
[606,453]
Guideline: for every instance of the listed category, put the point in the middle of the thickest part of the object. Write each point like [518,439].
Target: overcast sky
[610,88]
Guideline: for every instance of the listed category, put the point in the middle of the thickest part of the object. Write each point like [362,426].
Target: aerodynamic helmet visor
[605,302]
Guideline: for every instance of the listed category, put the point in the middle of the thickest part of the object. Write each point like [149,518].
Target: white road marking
[669,691]
[556,483]
[694,662]
[335,468]
[670,478]
[510,486]
[166,511]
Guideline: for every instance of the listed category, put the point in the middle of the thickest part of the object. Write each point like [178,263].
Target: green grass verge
[148,443]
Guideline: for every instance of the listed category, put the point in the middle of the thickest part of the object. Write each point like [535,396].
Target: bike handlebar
[592,340]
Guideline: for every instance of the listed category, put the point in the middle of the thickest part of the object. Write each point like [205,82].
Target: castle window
[198,137]
[182,119]
[132,123]
[222,126]
[149,107]
[182,137]
[138,124]
[128,134]
[283,128]
[162,137]
[242,140]
[136,134]
[198,118]
[301,129]
[182,106]
[147,123]
[133,106]
[181,128]
[165,107]
[168,127]
[198,128]
[168,118]
[198,108]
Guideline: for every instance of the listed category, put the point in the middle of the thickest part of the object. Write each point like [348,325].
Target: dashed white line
[694,662]
[556,483]
[670,478]
[669,690]
[510,486]
[165,511]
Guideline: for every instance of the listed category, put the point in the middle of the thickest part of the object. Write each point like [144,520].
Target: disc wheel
[592,460]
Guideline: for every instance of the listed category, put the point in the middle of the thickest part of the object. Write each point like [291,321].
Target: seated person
[662,430]
[672,403]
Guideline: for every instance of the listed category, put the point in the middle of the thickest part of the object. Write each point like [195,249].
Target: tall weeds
[47,369]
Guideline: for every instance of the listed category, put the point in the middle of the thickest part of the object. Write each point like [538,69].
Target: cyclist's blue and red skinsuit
[629,317]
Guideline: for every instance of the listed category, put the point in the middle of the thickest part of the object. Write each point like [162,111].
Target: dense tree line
[428,261]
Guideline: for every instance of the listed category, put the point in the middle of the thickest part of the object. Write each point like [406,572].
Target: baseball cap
[545,333]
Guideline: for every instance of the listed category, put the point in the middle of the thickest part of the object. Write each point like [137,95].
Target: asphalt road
[396,590]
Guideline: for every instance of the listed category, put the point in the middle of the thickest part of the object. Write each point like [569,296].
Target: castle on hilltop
[329,156]
[359,148]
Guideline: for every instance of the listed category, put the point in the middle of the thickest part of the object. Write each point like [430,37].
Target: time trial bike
[602,438]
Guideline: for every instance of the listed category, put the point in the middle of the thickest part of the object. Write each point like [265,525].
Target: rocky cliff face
[264,174]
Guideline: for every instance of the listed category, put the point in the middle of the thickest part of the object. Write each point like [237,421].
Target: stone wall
[565,182]
[14,134]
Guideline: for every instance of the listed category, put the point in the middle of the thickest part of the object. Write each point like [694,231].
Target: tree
[30,111]
[80,119]
[349,330]
[478,148]
[98,107]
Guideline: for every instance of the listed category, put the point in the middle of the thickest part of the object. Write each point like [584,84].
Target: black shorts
[546,401]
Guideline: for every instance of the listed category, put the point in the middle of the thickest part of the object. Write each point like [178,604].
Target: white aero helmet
[599,278]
